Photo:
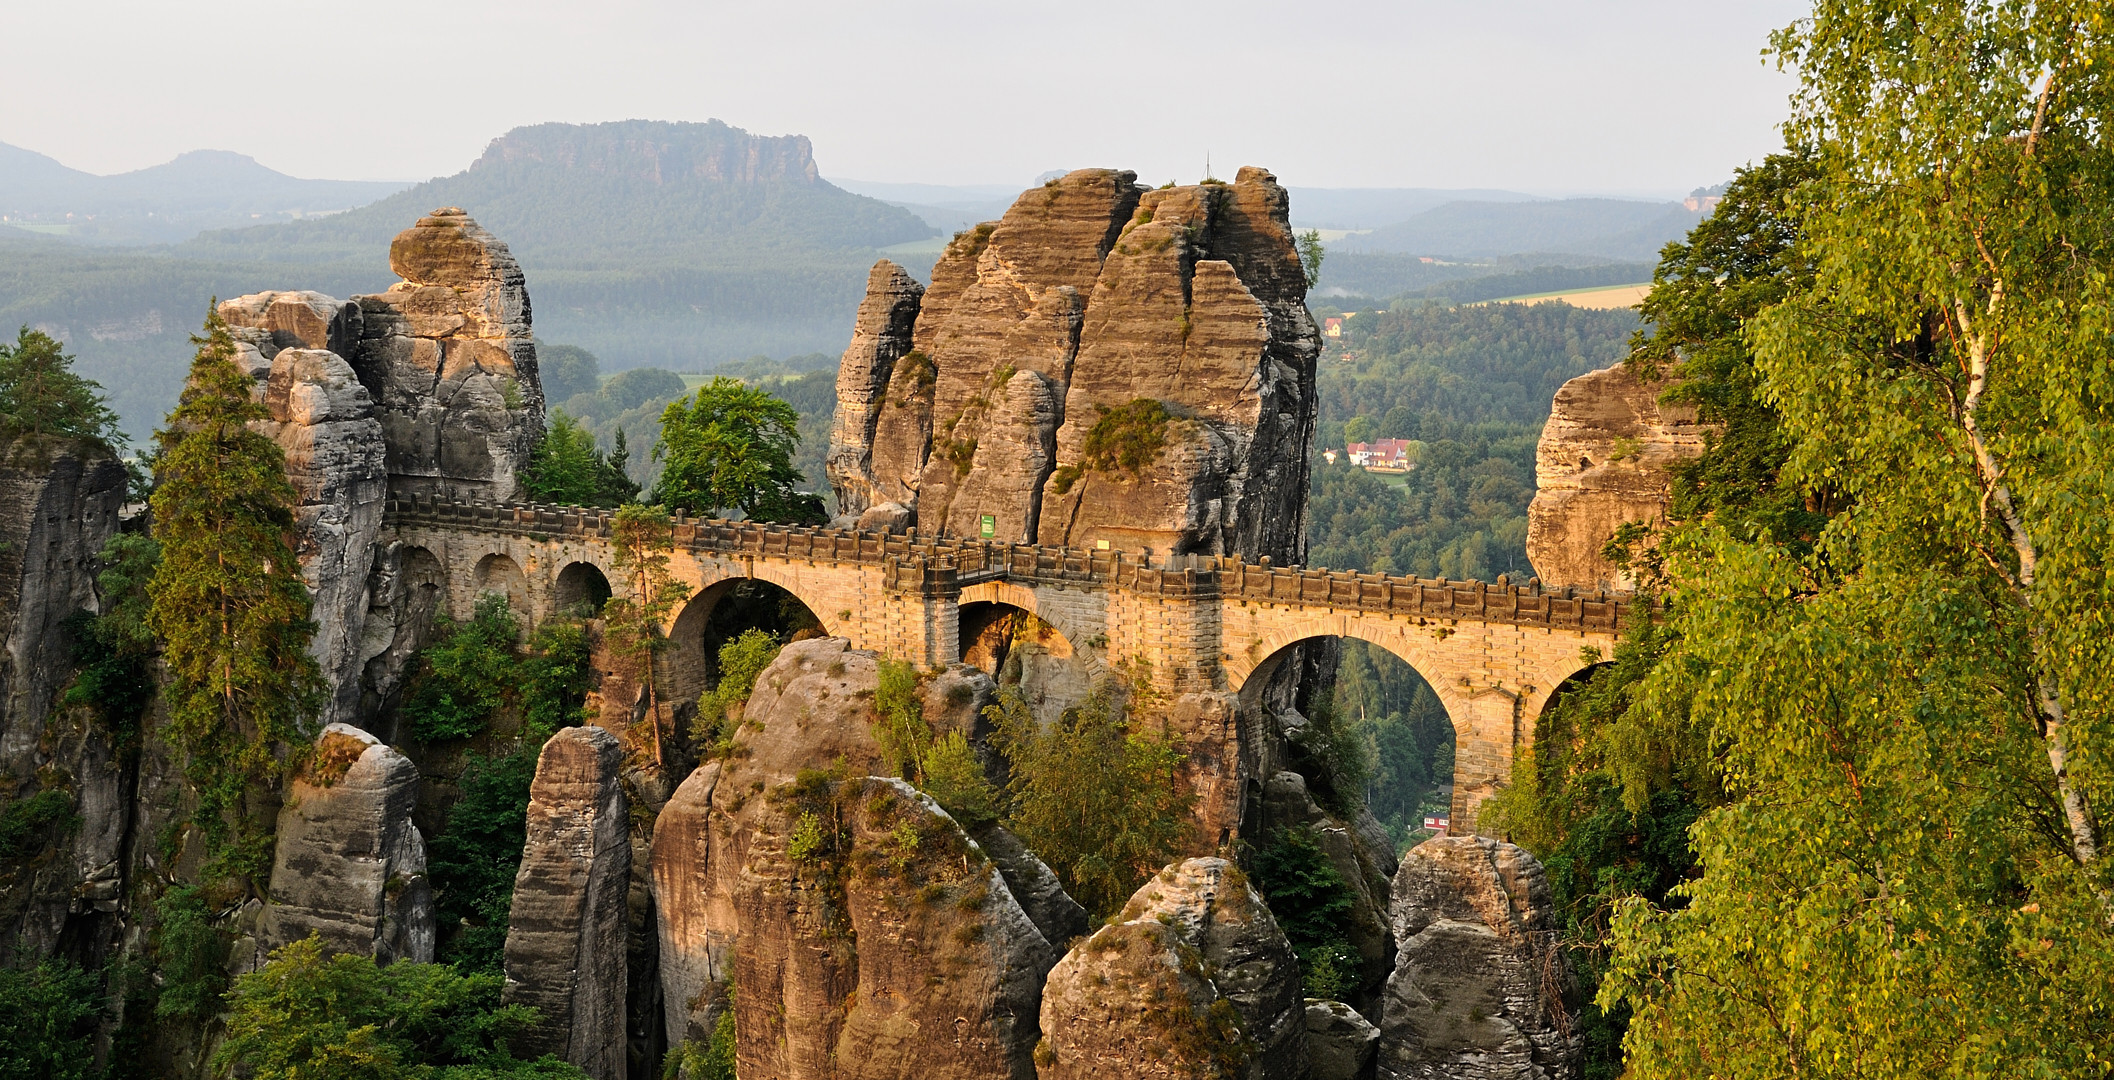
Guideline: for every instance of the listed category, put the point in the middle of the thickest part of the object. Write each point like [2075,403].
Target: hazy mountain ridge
[196,191]
[605,196]
[1607,228]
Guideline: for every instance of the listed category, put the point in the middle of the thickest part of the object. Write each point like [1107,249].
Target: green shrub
[899,720]
[113,653]
[476,669]
[567,468]
[1100,801]
[954,776]
[307,1014]
[712,1061]
[28,826]
[473,860]
[191,956]
[1311,902]
[554,680]
[740,662]
[1127,438]
[48,1020]
[466,674]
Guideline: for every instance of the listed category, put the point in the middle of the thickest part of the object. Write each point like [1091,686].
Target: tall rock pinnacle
[1105,363]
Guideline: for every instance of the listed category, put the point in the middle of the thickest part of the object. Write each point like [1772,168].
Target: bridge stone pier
[1494,653]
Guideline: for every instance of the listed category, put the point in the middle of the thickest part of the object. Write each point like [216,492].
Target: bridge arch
[497,572]
[692,661]
[580,584]
[982,603]
[1494,682]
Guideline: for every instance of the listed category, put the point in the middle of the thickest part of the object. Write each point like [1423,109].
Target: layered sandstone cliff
[1091,297]
[1192,979]
[429,388]
[867,933]
[1602,463]
[295,345]
[59,504]
[1480,986]
[348,864]
[448,355]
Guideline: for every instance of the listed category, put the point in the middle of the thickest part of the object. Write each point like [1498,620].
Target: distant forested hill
[675,245]
[128,316]
[653,244]
[173,201]
[1607,228]
[1473,385]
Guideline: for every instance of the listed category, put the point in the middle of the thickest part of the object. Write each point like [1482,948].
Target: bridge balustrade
[929,565]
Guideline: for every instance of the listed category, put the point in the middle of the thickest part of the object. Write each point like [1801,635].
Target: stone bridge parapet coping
[933,566]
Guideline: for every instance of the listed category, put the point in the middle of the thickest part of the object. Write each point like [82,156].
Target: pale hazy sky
[1550,96]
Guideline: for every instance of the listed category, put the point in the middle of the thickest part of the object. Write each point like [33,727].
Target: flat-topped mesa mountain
[637,194]
[1105,366]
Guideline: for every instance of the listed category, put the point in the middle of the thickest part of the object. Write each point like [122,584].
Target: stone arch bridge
[1495,654]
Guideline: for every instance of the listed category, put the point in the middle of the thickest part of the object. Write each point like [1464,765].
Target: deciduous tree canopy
[730,447]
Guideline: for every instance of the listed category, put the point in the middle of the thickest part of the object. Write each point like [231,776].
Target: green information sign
[987,526]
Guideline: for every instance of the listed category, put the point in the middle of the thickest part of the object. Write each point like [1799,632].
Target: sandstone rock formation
[1090,293]
[880,337]
[1602,462]
[565,943]
[1479,987]
[1192,979]
[324,420]
[867,934]
[1341,1045]
[59,504]
[877,941]
[697,927]
[350,866]
[428,388]
[1035,886]
[448,355]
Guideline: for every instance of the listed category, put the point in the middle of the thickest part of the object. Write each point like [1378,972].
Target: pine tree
[230,606]
[565,468]
[644,537]
[41,396]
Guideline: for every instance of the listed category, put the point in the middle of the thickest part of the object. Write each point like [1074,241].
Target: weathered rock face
[1479,983]
[1035,886]
[1602,462]
[448,356]
[1090,293]
[293,320]
[878,941]
[1201,304]
[697,928]
[880,337]
[565,943]
[350,866]
[323,418]
[59,505]
[1192,979]
[1341,1045]
[867,934]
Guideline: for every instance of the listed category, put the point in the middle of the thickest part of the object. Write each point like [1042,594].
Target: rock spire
[1105,363]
